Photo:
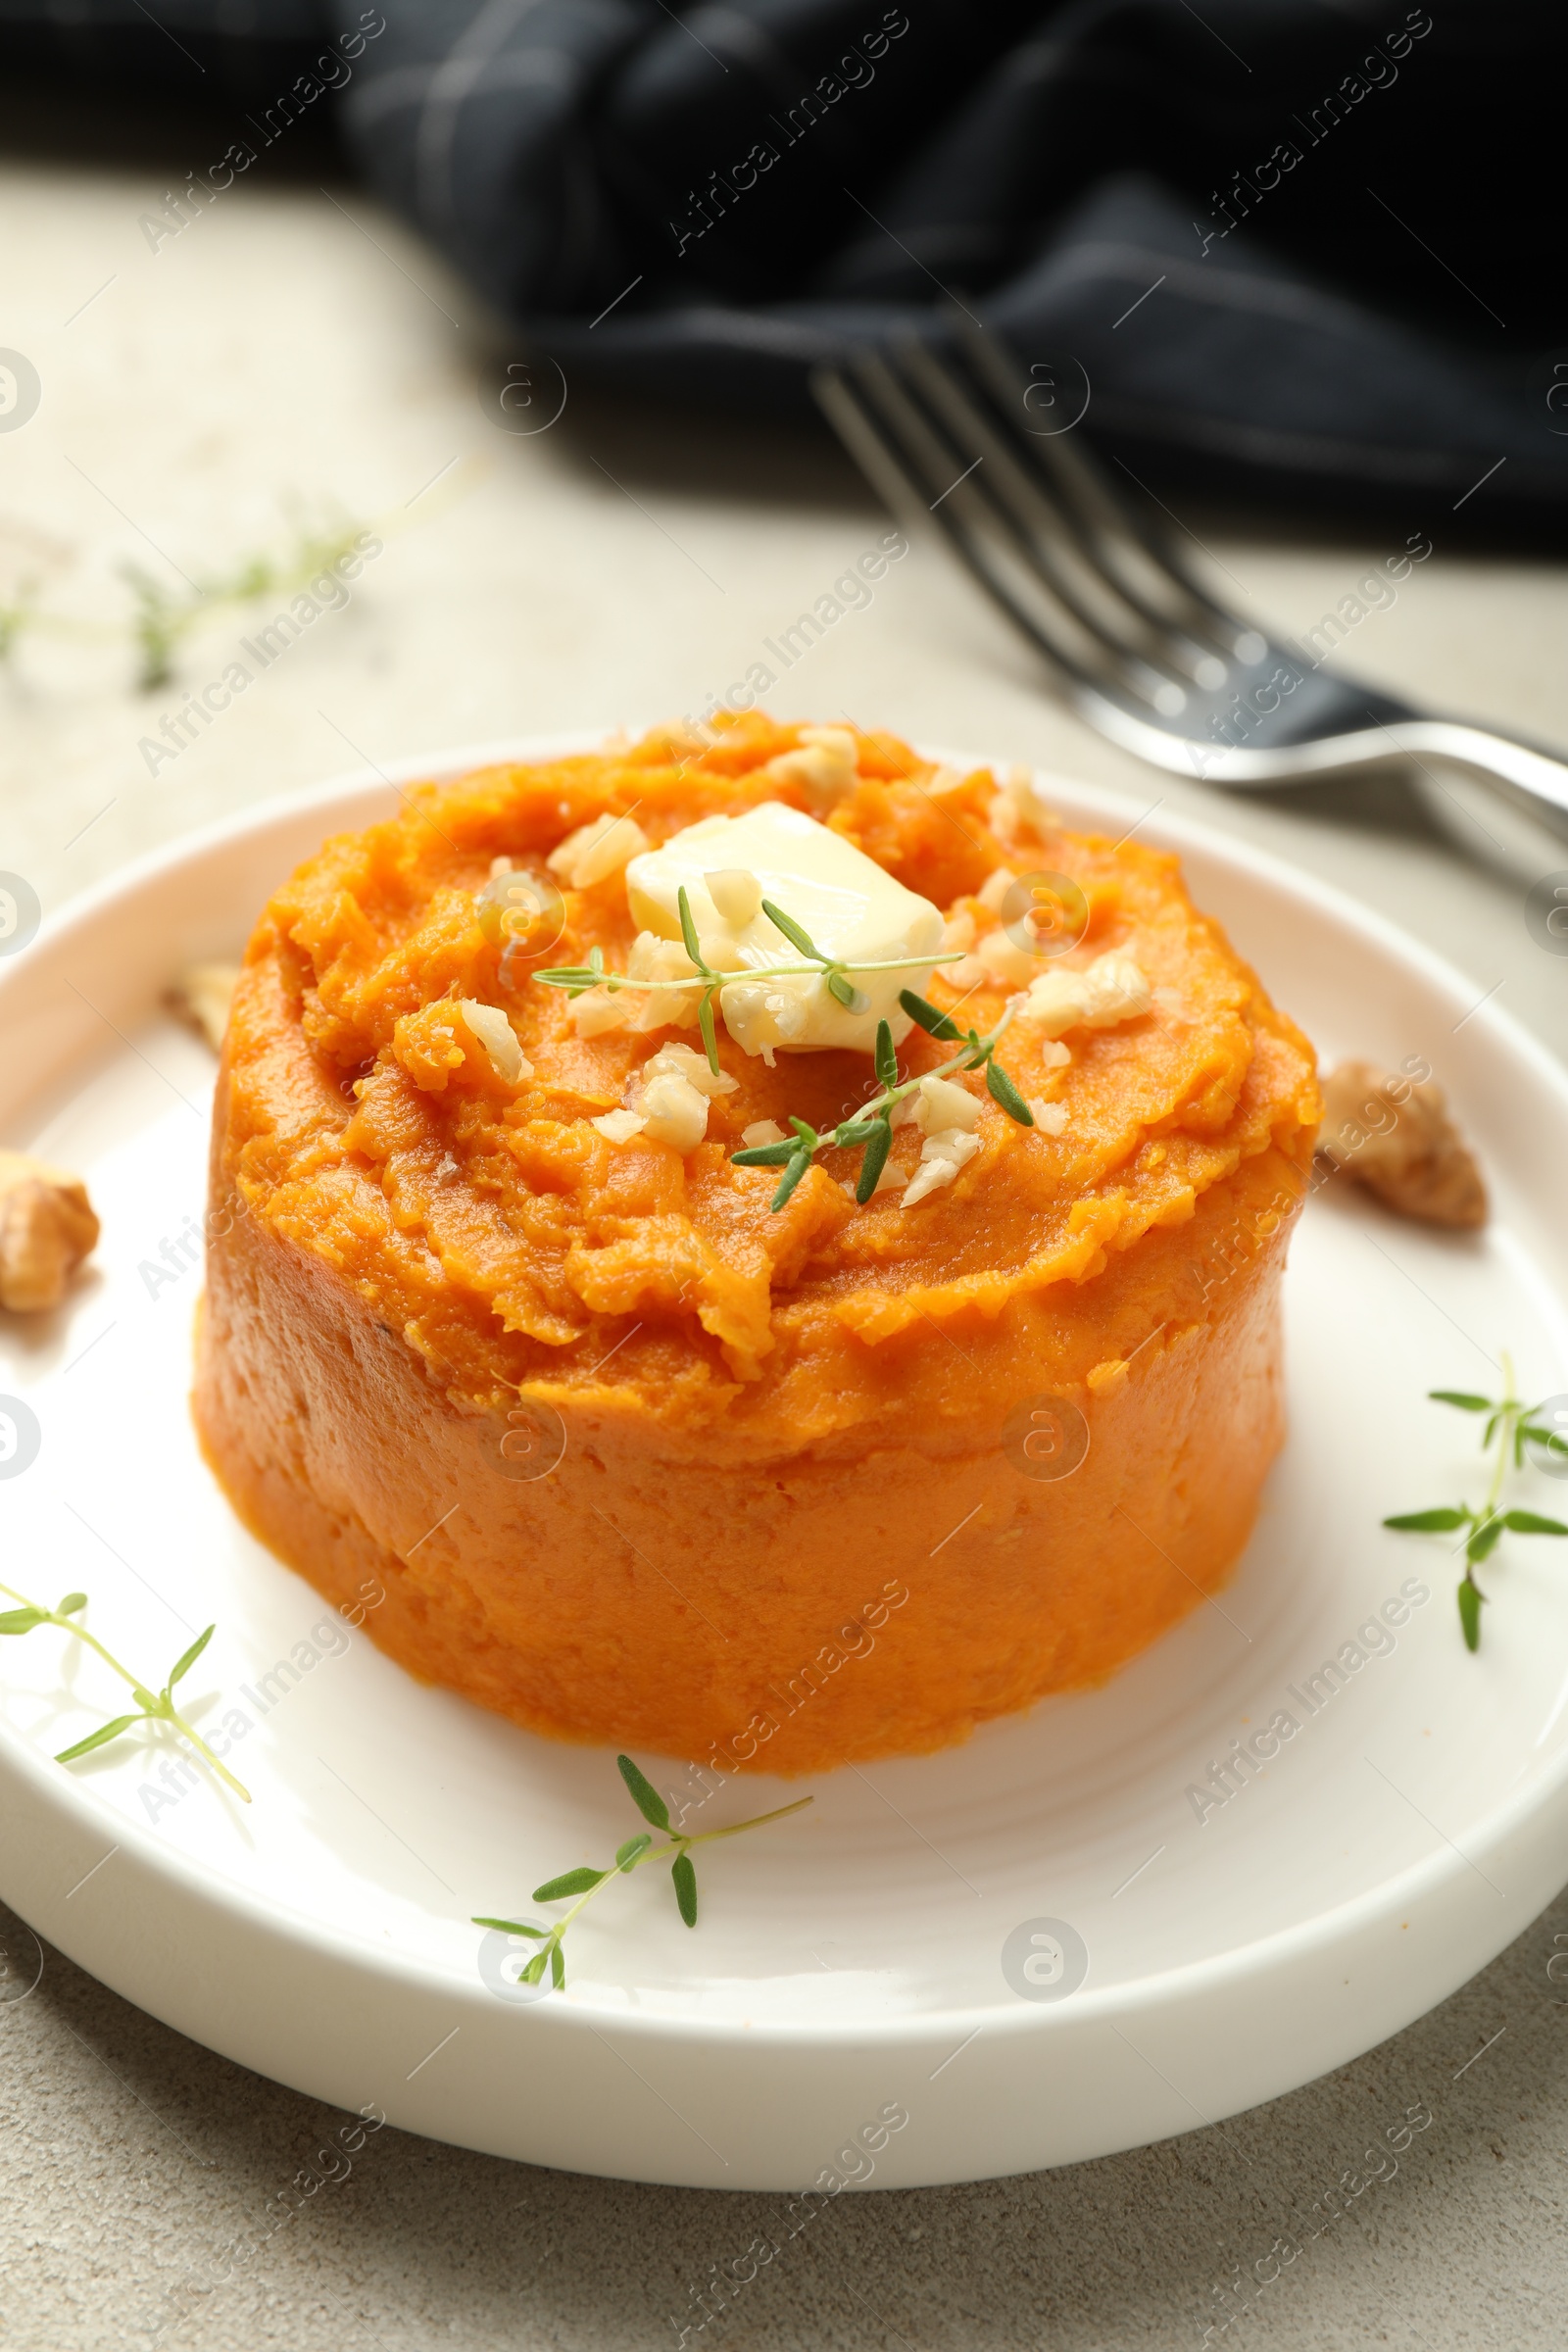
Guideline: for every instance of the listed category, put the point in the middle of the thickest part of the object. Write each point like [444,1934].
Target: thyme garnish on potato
[872,1127]
[1510,1426]
[153,1707]
[585,1884]
[835,970]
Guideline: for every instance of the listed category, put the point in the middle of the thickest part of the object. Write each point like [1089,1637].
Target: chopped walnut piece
[1108,992]
[940,1157]
[619,1126]
[202,994]
[1394,1135]
[824,768]
[597,849]
[47,1226]
[494,1034]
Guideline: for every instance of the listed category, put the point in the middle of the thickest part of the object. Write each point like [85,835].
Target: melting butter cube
[844,901]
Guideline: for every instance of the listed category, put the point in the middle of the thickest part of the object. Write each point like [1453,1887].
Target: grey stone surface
[140,2180]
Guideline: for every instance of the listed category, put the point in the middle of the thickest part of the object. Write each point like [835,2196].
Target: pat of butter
[843,901]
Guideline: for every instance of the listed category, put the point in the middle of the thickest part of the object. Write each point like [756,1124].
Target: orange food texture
[757,1410]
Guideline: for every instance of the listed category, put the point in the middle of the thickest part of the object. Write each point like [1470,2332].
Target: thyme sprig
[160,621]
[585,1884]
[1510,1426]
[872,1127]
[835,970]
[153,1707]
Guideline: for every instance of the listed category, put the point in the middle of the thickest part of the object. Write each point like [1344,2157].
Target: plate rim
[1423,1880]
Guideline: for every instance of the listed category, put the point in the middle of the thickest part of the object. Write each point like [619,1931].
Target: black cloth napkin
[1300,252]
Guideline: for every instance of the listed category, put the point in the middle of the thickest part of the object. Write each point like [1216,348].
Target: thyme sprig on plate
[1510,1426]
[835,970]
[872,1127]
[153,1707]
[585,1884]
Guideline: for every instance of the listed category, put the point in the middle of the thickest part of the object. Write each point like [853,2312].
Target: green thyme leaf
[808,1134]
[704,1022]
[933,1022]
[764,1155]
[97,1739]
[190,1657]
[855,1131]
[843,990]
[1002,1090]
[644,1795]
[791,1178]
[585,1882]
[1486,1539]
[154,1706]
[573,977]
[885,1059]
[1471,1598]
[1423,1523]
[1463,1398]
[874,1162]
[571,1881]
[792,931]
[1530,1523]
[688,929]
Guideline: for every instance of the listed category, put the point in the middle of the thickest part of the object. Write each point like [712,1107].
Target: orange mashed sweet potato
[638,1461]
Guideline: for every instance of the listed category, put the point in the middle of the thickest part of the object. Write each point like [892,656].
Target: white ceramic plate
[851,1961]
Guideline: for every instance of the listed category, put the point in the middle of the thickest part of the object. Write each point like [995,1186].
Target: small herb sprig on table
[872,1127]
[1510,1426]
[585,1884]
[153,1707]
[160,619]
[835,970]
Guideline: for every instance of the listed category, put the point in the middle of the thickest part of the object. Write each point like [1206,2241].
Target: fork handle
[1535,781]
[1531,780]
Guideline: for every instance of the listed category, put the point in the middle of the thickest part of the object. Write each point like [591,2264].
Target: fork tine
[1128,624]
[1116,527]
[980,530]
[848,410]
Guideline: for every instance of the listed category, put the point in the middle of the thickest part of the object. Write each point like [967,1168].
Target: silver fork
[1138,643]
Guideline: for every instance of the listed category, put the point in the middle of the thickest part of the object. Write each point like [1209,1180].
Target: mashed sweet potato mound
[637,1460]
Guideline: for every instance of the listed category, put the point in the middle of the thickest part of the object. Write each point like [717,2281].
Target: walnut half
[201,997]
[1394,1135]
[47,1226]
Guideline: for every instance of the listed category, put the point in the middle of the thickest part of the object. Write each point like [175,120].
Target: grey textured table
[293,344]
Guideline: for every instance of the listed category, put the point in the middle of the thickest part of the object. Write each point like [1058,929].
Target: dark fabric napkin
[1303,254]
